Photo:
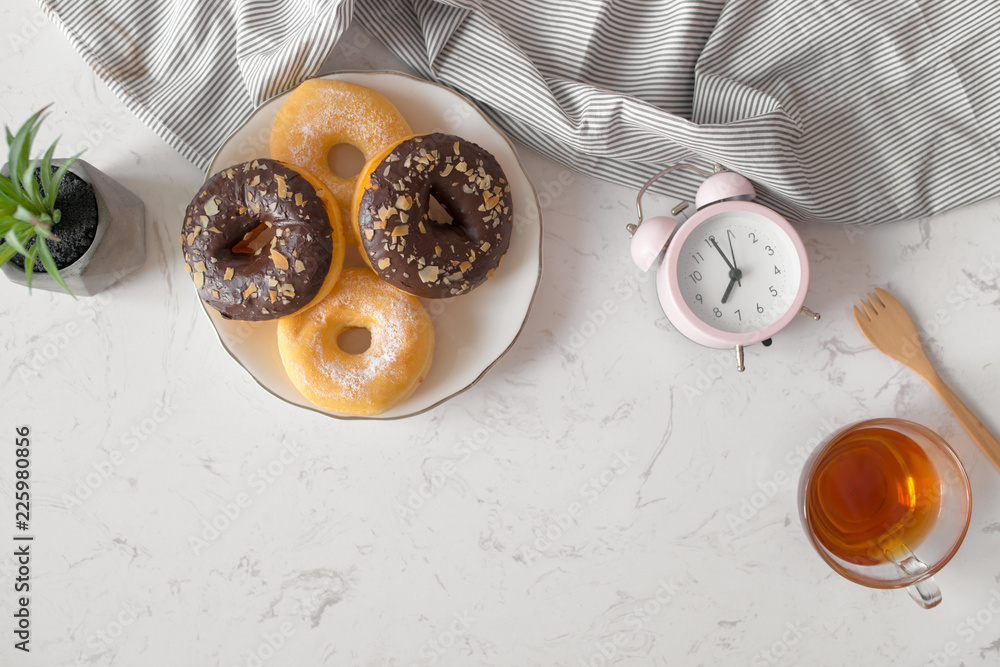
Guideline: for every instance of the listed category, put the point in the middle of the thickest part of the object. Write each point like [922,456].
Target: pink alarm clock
[735,273]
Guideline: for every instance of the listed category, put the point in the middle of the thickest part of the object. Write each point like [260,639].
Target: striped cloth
[853,112]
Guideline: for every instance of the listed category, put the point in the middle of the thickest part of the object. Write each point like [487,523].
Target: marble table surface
[609,493]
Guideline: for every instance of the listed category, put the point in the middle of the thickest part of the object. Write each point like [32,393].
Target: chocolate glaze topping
[289,268]
[412,251]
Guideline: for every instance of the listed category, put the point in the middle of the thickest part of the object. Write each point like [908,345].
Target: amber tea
[874,491]
[886,503]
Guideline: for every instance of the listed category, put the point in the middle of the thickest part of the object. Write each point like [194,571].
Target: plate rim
[534,292]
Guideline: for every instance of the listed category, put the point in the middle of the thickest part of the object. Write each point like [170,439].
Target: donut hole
[345,160]
[257,238]
[355,340]
[437,212]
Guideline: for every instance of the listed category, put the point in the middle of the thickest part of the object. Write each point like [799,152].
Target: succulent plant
[27,202]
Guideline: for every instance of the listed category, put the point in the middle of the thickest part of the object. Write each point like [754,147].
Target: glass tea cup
[886,503]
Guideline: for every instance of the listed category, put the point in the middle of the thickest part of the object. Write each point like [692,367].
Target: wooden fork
[888,326]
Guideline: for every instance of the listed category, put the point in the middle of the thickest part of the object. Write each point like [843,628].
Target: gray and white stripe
[845,112]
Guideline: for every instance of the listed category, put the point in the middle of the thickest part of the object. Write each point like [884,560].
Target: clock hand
[734,279]
[735,275]
[728,263]
[733,265]
[729,288]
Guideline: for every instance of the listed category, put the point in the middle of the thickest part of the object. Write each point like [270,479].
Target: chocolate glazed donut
[262,240]
[408,248]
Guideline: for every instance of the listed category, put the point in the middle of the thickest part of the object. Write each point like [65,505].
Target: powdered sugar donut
[320,114]
[397,361]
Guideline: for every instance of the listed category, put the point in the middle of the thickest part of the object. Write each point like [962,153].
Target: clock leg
[739,359]
[810,313]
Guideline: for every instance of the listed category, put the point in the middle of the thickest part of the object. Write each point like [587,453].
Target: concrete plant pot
[118,247]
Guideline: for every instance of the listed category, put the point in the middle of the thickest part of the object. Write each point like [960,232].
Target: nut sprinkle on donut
[410,249]
[262,240]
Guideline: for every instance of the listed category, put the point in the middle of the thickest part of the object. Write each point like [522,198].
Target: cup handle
[925,592]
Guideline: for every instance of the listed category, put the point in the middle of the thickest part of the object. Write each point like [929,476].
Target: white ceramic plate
[473,330]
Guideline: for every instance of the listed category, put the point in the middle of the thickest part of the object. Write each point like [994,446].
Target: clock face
[738,272]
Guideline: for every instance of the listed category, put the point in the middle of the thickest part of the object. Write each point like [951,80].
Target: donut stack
[267,239]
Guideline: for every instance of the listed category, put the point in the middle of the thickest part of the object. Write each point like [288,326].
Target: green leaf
[57,180]
[50,267]
[14,145]
[10,192]
[19,148]
[42,230]
[29,264]
[45,172]
[31,186]
[26,215]
[12,239]
[8,188]
[6,253]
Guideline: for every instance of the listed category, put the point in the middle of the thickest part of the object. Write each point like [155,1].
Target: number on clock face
[738,272]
